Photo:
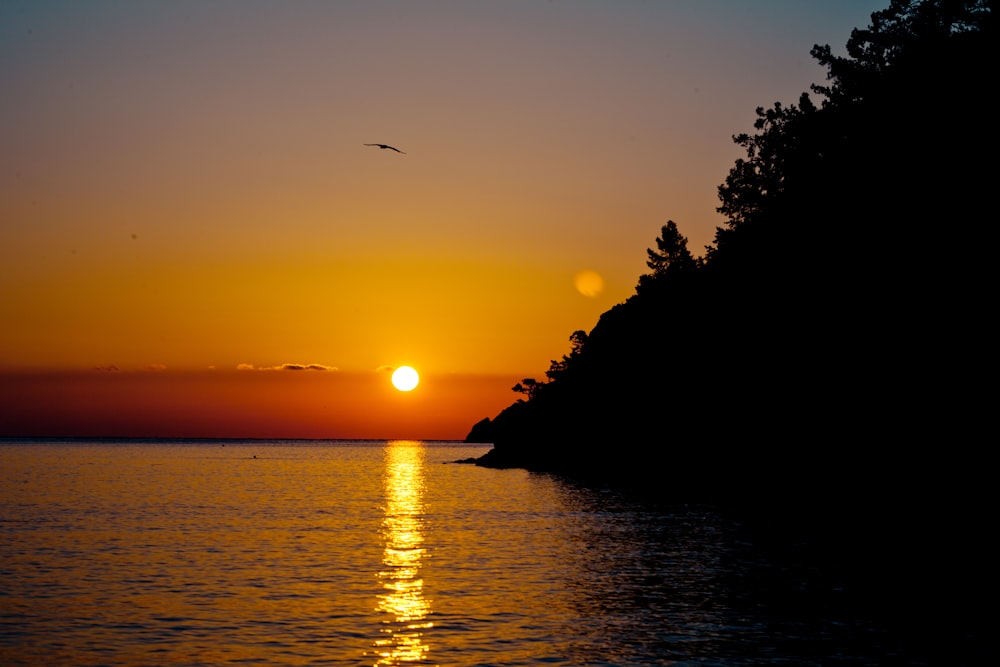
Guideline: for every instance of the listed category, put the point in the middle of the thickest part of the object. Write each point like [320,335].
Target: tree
[670,258]
[528,386]
[907,31]
[558,368]
[905,77]
[531,387]
[854,224]
[755,181]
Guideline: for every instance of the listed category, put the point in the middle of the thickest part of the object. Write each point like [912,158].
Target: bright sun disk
[405,378]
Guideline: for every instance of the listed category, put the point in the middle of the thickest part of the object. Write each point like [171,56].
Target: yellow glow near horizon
[405,378]
[203,209]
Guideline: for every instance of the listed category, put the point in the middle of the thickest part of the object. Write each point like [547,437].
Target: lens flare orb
[589,283]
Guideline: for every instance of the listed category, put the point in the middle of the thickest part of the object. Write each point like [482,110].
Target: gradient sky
[186,199]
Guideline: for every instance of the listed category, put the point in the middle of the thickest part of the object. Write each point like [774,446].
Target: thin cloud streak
[288,367]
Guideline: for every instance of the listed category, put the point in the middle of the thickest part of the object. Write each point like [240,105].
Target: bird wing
[387,146]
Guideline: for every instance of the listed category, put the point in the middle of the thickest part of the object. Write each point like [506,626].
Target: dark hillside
[826,366]
[849,292]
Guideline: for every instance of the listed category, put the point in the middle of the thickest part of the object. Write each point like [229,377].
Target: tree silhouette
[528,386]
[670,258]
[837,321]
[853,236]
[557,369]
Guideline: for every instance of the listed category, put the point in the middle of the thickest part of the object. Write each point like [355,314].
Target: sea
[254,552]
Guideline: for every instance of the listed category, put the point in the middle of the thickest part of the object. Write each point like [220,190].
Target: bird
[392,148]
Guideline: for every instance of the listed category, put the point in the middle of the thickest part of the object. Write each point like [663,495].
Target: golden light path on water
[403,598]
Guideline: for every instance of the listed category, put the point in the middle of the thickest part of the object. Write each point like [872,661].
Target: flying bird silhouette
[392,148]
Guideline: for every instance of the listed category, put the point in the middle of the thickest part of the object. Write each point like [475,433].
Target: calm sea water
[375,553]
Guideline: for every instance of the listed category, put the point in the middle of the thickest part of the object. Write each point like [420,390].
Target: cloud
[385,369]
[287,367]
[306,367]
[114,368]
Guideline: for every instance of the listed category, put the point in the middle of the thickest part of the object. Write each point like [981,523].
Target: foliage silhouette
[840,318]
[671,259]
[842,257]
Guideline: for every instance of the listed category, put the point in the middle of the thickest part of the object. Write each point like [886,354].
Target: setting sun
[405,378]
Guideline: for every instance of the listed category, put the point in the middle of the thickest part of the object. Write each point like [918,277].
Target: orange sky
[184,186]
[246,403]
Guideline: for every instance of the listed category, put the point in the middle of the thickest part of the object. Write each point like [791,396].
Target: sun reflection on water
[403,600]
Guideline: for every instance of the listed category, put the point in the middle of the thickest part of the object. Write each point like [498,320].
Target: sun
[405,378]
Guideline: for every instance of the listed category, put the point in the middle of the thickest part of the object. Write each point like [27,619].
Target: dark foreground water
[378,553]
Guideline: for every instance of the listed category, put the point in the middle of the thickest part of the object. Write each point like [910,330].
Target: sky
[195,241]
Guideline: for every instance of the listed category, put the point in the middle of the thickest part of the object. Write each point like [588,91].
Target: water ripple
[189,554]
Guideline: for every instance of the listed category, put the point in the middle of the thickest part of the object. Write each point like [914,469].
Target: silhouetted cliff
[846,295]
[825,360]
